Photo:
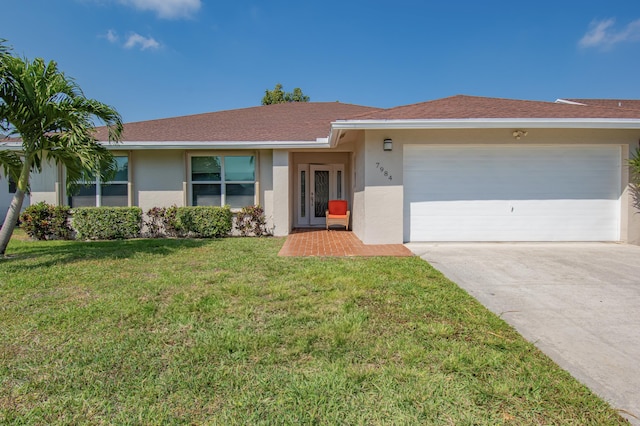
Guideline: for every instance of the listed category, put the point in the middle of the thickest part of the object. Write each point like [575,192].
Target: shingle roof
[467,107]
[609,103]
[296,121]
[308,121]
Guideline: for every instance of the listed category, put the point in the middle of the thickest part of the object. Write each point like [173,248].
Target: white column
[281,196]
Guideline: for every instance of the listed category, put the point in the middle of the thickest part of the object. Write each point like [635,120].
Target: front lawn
[226,332]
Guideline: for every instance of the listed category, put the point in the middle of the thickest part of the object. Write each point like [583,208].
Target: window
[223,180]
[12,185]
[114,193]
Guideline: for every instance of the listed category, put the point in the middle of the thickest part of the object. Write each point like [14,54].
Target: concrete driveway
[578,302]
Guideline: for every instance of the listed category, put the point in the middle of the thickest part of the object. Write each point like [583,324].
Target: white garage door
[512,193]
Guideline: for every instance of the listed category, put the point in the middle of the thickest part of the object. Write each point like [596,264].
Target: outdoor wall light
[519,133]
[387,145]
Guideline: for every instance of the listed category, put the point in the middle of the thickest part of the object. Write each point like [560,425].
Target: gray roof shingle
[309,121]
[295,121]
[467,107]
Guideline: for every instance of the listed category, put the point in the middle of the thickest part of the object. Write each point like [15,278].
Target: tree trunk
[10,220]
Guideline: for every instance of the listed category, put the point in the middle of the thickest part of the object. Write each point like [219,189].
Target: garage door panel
[512,193]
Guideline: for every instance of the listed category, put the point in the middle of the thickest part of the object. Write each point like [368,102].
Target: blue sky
[161,58]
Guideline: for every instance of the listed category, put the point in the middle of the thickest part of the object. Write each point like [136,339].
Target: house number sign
[383,171]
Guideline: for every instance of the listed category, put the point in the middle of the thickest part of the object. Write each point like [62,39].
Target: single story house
[462,168]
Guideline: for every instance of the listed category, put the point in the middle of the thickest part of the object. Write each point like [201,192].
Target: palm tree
[53,119]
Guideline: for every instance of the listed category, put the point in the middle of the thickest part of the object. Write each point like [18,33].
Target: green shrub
[251,221]
[43,221]
[162,222]
[107,223]
[201,221]
[171,222]
[158,222]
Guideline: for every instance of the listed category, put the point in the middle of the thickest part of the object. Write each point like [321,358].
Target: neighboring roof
[295,121]
[474,107]
[608,103]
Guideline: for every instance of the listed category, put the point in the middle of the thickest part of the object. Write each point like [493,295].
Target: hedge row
[107,223]
[197,221]
[43,221]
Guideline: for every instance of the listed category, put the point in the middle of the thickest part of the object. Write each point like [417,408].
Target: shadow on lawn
[38,254]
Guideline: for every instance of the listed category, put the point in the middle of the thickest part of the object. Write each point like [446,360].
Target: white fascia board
[339,126]
[151,145]
[490,123]
[228,145]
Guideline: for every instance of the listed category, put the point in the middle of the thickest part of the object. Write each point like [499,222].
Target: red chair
[337,213]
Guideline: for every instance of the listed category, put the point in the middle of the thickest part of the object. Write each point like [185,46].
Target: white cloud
[112,36]
[136,40]
[167,9]
[603,34]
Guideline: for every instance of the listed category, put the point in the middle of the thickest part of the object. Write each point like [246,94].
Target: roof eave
[489,123]
[200,145]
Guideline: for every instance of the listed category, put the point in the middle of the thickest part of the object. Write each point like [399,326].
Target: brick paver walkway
[335,243]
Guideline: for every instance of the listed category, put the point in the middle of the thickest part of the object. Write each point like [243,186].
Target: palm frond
[11,164]
[55,120]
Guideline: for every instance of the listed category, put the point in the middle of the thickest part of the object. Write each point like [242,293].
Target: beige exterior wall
[381,219]
[373,177]
[265,186]
[358,179]
[47,186]
[380,202]
[281,211]
[157,178]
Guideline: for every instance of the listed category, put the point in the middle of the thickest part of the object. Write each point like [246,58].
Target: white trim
[199,145]
[99,184]
[222,182]
[300,220]
[219,145]
[490,123]
[481,123]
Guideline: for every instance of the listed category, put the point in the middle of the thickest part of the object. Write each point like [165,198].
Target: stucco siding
[381,200]
[265,185]
[383,196]
[43,185]
[357,208]
[157,178]
[281,190]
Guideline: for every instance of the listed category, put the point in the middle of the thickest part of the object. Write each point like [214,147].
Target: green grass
[226,332]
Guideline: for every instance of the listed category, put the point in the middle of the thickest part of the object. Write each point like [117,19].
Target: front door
[320,187]
[317,184]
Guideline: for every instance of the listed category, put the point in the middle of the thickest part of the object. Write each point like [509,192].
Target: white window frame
[222,182]
[98,183]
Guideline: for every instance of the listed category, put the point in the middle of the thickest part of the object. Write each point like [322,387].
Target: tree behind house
[279,96]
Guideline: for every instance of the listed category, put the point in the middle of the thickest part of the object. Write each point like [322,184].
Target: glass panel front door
[320,192]
[316,185]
